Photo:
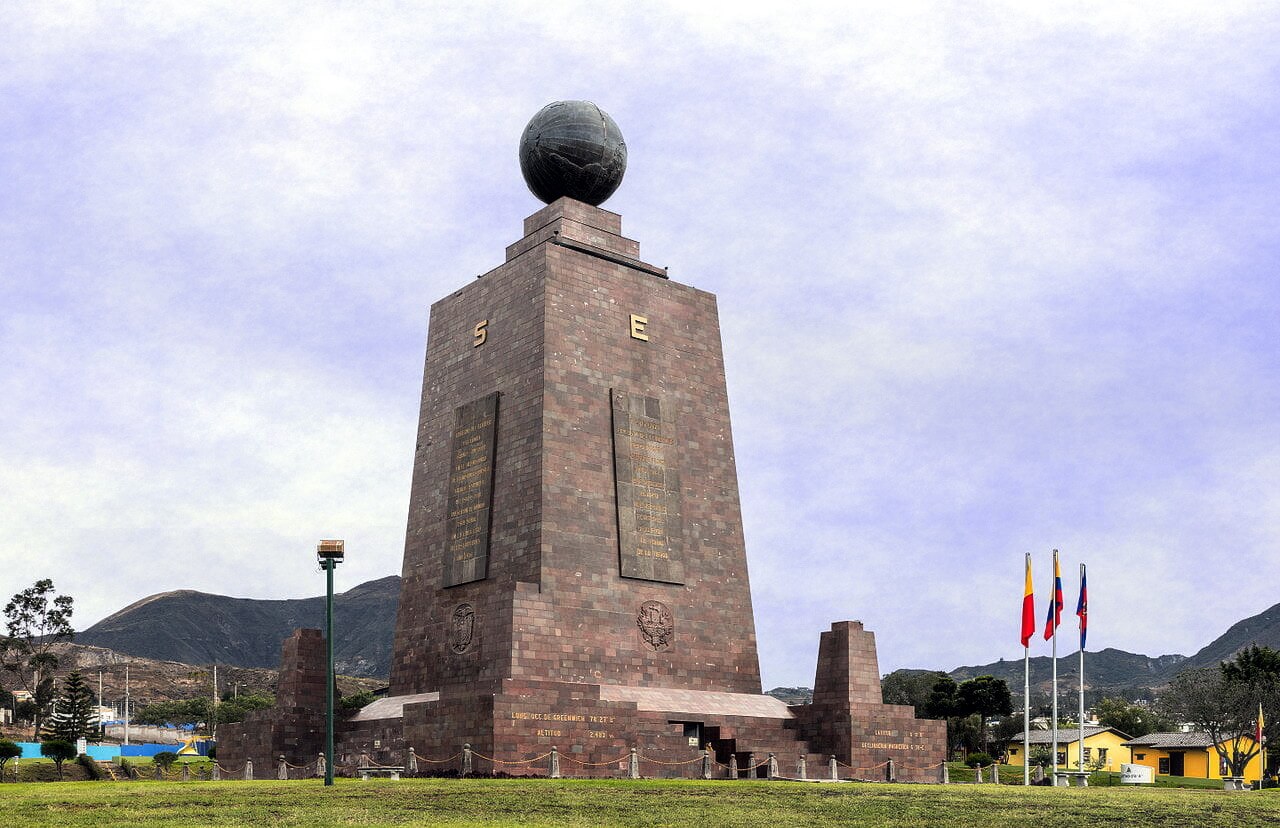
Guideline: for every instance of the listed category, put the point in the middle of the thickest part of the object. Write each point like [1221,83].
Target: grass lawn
[605,802]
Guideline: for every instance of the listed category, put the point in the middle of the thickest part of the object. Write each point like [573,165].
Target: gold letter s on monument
[480,333]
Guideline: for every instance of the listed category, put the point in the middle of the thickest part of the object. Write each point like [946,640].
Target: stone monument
[574,572]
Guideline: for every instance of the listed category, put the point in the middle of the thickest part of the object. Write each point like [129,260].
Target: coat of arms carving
[657,626]
[462,628]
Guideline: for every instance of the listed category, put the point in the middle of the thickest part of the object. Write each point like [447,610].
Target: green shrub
[976,759]
[356,700]
[164,759]
[8,750]
[91,769]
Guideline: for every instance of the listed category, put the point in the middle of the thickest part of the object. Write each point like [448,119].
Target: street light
[329,552]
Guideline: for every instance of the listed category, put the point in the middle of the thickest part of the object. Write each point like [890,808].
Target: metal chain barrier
[455,757]
[479,755]
[354,768]
[673,764]
[624,757]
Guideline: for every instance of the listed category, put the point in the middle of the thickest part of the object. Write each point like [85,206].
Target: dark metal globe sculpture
[574,149]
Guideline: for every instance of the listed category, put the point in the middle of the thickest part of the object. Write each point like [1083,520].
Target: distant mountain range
[199,628]
[1112,669]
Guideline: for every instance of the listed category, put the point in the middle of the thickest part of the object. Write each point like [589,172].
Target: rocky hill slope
[199,628]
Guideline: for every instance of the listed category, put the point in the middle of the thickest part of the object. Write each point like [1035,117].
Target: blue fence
[106,753]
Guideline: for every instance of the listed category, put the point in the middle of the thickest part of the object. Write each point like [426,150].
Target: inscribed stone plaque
[466,544]
[647,475]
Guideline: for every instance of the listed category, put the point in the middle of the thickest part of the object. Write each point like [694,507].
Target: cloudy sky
[992,280]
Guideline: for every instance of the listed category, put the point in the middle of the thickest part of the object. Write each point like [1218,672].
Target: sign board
[466,547]
[1136,775]
[82,746]
[646,469]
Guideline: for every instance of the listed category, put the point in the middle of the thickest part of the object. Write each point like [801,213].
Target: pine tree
[75,713]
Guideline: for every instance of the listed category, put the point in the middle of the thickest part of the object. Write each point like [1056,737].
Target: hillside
[199,628]
[1109,668]
[1262,629]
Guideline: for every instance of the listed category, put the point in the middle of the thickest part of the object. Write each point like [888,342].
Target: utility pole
[126,703]
[213,727]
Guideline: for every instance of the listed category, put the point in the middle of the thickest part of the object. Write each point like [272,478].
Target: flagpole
[1082,629]
[1053,614]
[1026,697]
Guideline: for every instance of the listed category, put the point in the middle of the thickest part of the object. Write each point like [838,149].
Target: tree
[75,714]
[984,696]
[1133,720]
[1223,708]
[237,708]
[942,698]
[182,712]
[8,750]
[909,687]
[35,620]
[1258,669]
[59,750]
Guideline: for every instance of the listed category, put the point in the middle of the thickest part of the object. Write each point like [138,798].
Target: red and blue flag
[1054,618]
[1082,608]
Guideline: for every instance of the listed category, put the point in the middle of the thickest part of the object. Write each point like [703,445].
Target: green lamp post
[329,553]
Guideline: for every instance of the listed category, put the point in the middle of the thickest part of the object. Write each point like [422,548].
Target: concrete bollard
[282,772]
[752,770]
[186,772]
[801,771]
[835,768]
[890,771]
[1037,775]
[946,774]
[995,773]
[217,773]
[412,764]
[248,769]
[466,760]
[633,768]
[555,763]
[771,771]
[320,764]
[706,763]
[977,774]
[733,766]
[159,771]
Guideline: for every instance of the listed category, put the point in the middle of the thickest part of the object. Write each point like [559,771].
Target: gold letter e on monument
[637,327]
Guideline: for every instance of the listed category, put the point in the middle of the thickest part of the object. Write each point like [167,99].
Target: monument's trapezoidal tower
[574,513]
[574,570]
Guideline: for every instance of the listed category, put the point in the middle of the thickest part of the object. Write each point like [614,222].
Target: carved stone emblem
[462,628]
[657,626]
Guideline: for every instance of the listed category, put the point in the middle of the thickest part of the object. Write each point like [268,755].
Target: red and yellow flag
[1028,609]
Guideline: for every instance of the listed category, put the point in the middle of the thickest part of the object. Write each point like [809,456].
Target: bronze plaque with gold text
[466,544]
[647,476]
